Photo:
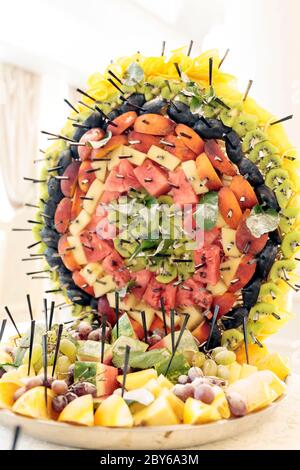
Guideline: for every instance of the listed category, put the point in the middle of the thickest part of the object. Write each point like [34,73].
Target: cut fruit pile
[169,220]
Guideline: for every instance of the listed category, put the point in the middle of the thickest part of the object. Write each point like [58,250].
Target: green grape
[62,366]
[217,350]
[225,357]
[198,359]
[68,349]
[223,372]
[209,367]
[37,352]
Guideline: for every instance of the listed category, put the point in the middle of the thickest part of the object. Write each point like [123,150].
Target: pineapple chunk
[218,289]
[94,193]
[104,285]
[78,251]
[124,304]
[195,318]
[79,224]
[101,168]
[136,314]
[228,269]
[220,221]
[190,170]
[91,272]
[159,413]
[137,157]
[162,157]
[228,242]
[137,379]
[168,318]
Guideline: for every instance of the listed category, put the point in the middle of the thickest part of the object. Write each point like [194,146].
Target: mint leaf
[134,74]
[208,210]
[99,143]
[260,221]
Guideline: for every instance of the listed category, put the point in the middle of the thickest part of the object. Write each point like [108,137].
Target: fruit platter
[168,219]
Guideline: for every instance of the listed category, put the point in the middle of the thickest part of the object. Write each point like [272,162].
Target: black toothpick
[84,93]
[190,48]
[115,85]
[16,437]
[45,366]
[103,331]
[52,307]
[143,315]
[223,58]
[247,89]
[210,70]
[172,322]
[46,313]
[163,48]
[213,322]
[12,320]
[115,77]
[32,330]
[31,205]
[71,106]
[126,363]
[59,333]
[183,327]
[2,329]
[21,230]
[117,311]
[163,311]
[29,306]
[177,69]
[286,118]
[246,338]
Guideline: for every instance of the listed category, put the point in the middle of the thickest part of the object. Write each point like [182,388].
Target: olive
[211,128]
[54,190]
[248,168]
[154,106]
[233,147]
[78,296]
[49,237]
[250,292]
[266,259]
[51,259]
[181,113]
[236,317]
[64,160]
[267,197]
[133,103]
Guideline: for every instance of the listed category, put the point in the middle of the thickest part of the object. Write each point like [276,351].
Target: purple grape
[33,382]
[183,379]
[59,387]
[237,404]
[84,329]
[95,335]
[84,388]
[195,373]
[183,391]
[59,403]
[154,339]
[205,393]
[70,396]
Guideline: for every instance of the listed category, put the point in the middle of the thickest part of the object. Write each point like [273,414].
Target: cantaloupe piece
[79,411]
[114,412]
[7,391]
[33,403]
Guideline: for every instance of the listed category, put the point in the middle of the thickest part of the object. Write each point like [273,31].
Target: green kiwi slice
[281,269]
[290,244]
[261,311]
[283,193]
[269,291]
[232,339]
[168,272]
[253,138]
[228,116]
[136,264]
[276,177]
[125,247]
[261,151]
[288,217]
[244,123]
[270,162]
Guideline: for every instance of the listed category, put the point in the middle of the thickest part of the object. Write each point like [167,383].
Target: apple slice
[218,289]
[79,224]
[190,170]
[93,196]
[162,157]
[77,251]
[104,285]
[91,272]
[228,269]
[124,304]
[100,168]
[68,185]
[135,156]
[228,242]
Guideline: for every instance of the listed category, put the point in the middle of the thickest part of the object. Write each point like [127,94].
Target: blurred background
[49,47]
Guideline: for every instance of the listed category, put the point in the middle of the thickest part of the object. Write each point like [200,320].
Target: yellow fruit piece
[23,371]
[277,385]
[221,404]
[114,412]
[12,376]
[254,351]
[5,358]
[175,402]
[234,372]
[33,403]
[196,412]
[246,370]
[138,379]
[7,391]
[276,364]
[159,413]
[153,387]
[79,411]
[164,382]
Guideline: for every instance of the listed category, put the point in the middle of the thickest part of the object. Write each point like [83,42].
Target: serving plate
[151,437]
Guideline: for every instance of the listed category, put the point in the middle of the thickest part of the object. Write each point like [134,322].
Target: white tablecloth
[281,432]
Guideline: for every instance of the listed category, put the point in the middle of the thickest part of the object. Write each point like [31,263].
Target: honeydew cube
[79,224]
[228,242]
[218,289]
[190,171]
[228,269]
[93,196]
[104,285]
[78,251]
[101,168]
[91,272]
[163,157]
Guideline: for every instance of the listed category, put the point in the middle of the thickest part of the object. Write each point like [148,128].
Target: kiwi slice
[269,291]
[168,272]
[125,247]
[244,123]
[253,138]
[168,200]
[290,244]
[228,116]
[270,162]
[281,269]
[283,193]
[232,339]
[136,264]
[276,177]
[262,150]
[254,330]
[262,311]
[210,110]
[185,270]
[289,216]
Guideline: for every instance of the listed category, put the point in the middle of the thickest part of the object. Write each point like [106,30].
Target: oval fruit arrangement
[169,218]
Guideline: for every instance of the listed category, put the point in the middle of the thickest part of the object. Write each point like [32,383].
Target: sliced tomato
[62,216]
[152,178]
[245,241]
[218,159]
[178,148]
[94,249]
[207,264]
[244,273]
[225,302]
[143,142]
[81,283]
[122,178]
[142,279]
[92,135]
[190,138]
[182,191]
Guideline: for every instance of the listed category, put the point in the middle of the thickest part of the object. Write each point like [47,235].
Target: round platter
[151,437]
